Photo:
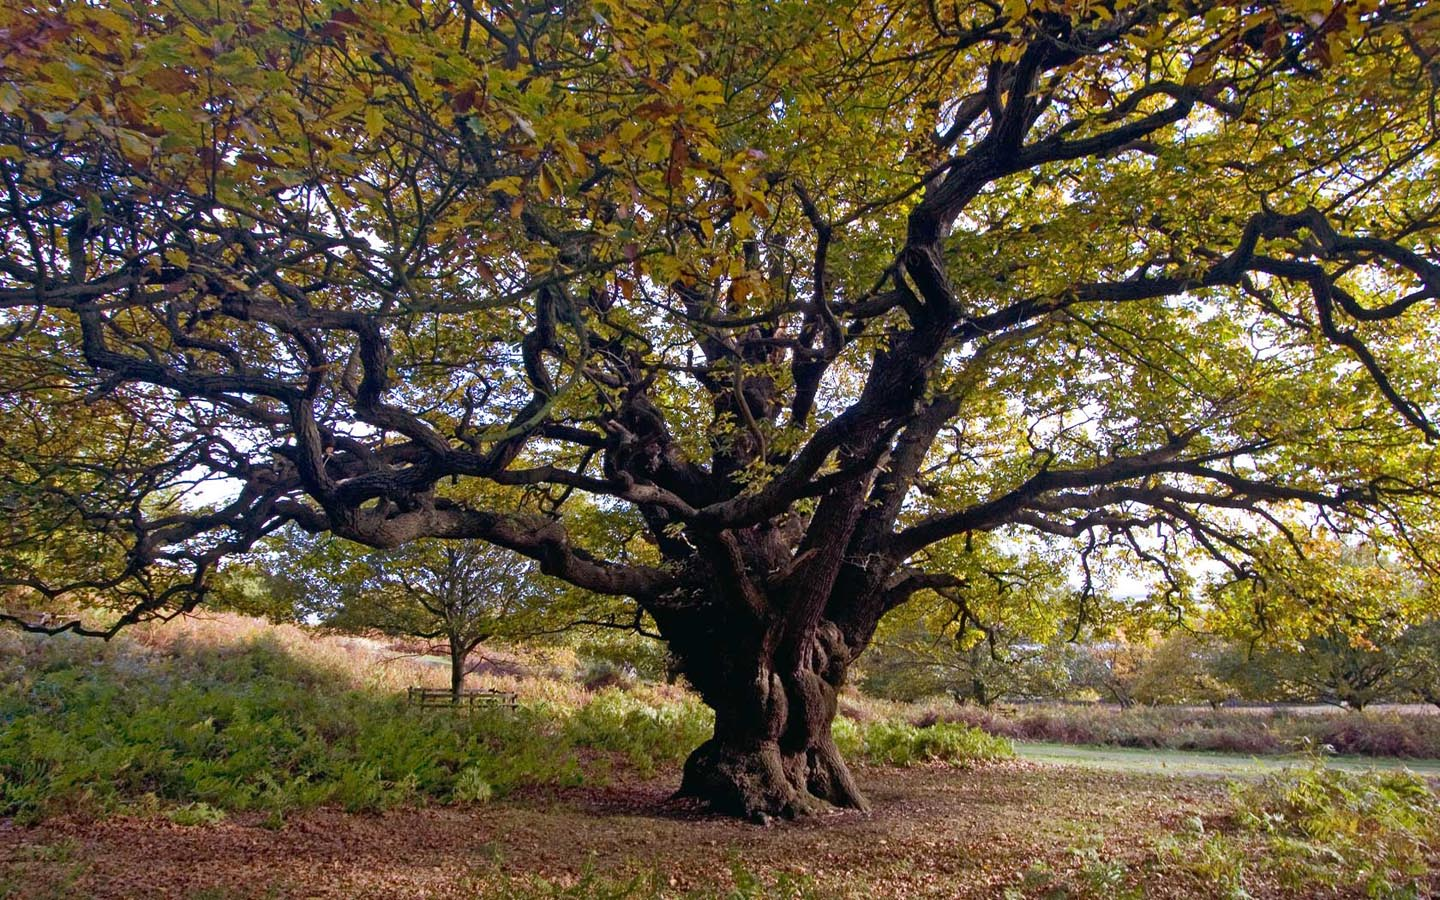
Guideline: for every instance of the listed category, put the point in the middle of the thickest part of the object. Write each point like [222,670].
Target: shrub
[1379,734]
[228,716]
[602,674]
[898,744]
[1248,731]
[1316,828]
[471,787]
[637,656]
[849,737]
[618,722]
[249,725]
[1379,831]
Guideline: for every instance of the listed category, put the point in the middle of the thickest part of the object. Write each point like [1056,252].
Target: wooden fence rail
[469,698]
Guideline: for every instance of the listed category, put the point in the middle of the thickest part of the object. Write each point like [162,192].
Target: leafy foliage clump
[646,734]
[94,730]
[1312,827]
[209,719]
[1378,830]
[898,744]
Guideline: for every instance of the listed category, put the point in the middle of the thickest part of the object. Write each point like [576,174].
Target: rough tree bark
[772,753]
[458,654]
[461,646]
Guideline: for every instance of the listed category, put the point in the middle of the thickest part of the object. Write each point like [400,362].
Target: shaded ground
[1189,763]
[936,832]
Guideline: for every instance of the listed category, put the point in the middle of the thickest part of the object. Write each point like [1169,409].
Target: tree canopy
[810,299]
[457,593]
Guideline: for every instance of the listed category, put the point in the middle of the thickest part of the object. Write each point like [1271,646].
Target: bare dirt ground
[934,832]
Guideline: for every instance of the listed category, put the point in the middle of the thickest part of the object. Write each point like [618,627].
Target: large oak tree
[811,298]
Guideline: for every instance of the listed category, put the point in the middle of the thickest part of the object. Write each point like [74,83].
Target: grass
[252,725]
[1188,763]
[204,732]
[224,717]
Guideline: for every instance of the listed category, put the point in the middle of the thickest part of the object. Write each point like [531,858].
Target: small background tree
[980,667]
[997,633]
[1111,667]
[460,593]
[1188,668]
[1336,667]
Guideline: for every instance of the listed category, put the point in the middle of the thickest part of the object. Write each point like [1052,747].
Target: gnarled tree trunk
[772,754]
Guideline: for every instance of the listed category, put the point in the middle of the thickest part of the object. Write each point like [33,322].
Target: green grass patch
[96,729]
[1185,763]
[199,731]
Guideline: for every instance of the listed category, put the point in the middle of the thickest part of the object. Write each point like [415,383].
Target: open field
[934,833]
[229,759]
[1006,829]
[1182,763]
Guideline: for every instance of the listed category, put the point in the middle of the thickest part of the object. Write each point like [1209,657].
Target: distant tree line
[1334,666]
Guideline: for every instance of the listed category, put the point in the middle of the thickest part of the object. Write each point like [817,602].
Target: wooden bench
[469,698]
